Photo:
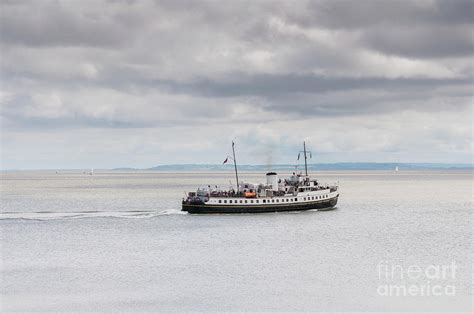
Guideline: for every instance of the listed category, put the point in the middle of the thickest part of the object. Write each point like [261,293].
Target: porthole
[225,201]
[256,201]
[220,201]
[245,201]
[251,201]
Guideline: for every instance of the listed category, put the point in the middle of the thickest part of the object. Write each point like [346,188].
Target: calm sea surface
[118,242]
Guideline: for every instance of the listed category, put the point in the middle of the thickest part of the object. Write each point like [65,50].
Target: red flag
[225,160]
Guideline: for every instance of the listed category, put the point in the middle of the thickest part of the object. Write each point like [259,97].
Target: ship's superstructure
[297,192]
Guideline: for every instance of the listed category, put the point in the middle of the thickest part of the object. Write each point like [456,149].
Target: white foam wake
[89,214]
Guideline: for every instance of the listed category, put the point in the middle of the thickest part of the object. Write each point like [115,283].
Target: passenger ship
[296,193]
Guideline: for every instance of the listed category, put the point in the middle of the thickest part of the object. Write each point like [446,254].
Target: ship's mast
[305,162]
[305,152]
[235,167]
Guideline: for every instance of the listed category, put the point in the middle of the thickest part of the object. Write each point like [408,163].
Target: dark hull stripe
[236,209]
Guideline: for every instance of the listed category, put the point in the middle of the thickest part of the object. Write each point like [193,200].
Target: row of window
[283,200]
[315,197]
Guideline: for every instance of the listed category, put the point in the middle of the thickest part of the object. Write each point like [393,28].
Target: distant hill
[312,167]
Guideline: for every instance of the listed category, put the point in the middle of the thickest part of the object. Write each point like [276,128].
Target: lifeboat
[250,194]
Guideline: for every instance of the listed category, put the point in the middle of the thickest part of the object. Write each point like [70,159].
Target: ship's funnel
[272,179]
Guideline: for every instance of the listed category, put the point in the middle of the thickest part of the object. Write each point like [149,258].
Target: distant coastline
[341,166]
[313,167]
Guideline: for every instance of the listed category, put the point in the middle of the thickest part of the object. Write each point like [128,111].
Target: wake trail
[133,214]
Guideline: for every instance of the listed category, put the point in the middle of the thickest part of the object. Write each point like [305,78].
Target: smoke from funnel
[269,156]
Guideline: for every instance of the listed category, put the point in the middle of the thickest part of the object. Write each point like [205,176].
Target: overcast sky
[108,84]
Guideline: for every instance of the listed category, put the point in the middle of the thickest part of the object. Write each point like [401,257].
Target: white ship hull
[320,201]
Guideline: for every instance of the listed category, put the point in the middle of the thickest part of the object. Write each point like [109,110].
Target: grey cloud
[263,97]
[47,23]
[422,42]
[246,65]
[343,14]
[420,29]
[19,122]
[365,103]
[267,85]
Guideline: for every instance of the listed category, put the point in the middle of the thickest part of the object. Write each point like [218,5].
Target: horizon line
[443,165]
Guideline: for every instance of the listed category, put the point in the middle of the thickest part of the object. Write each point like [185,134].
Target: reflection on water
[69,243]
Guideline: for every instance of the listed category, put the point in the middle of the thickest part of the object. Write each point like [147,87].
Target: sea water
[117,241]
